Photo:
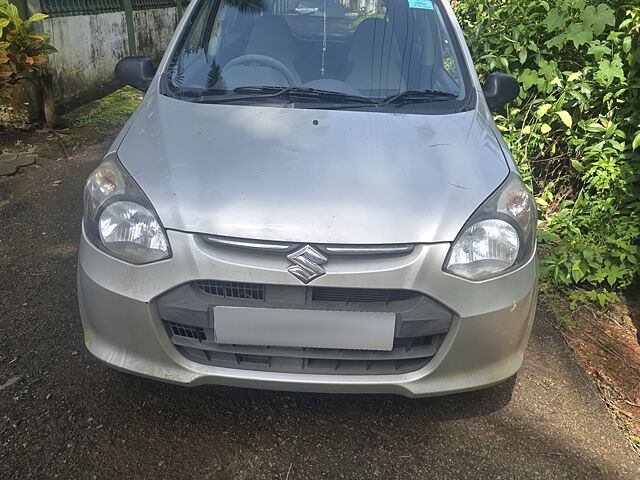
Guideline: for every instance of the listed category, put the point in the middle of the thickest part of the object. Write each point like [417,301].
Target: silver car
[312,196]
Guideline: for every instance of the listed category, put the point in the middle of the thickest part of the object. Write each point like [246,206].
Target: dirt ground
[607,344]
[65,415]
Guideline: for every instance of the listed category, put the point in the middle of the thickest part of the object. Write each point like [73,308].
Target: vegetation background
[23,56]
[575,128]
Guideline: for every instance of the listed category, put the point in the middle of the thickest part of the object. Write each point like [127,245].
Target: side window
[449,63]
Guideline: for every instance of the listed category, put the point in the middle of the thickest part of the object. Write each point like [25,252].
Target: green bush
[574,131]
[22,51]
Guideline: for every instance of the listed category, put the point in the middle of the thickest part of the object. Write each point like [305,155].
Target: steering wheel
[264,61]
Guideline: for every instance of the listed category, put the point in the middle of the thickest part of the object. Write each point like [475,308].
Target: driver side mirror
[500,89]
[137,72]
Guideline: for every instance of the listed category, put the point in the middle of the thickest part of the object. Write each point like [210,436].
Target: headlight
[499,237]
[119,219]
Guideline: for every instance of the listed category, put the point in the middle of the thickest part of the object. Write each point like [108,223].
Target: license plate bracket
[304,328]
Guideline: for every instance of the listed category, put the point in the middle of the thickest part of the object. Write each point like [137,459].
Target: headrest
[271,36]
[373,35]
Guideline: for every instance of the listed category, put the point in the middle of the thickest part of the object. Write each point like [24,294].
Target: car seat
[271,36]
[376,58]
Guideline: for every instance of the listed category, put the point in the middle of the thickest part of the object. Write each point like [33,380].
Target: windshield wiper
[417,95]
[304,92]
[266,92]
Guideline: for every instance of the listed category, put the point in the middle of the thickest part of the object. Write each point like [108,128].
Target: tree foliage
[22,52]
[575,128]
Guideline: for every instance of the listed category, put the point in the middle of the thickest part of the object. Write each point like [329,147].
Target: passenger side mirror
[499,89]
[137,72]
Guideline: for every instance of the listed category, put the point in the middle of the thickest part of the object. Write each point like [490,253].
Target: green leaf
[576,274]
[528,78]
[543,109]
[625,23]
[608,71]
[548,237]
[580,34]
[636,141]
[36,17]
[555,20]
[626,44]
[577,165]
[599,18]
[574,76]
[545,128]
[589,256]
[598,50]
[522,56]
[13,14]
[556,41]
[548,69]
[565,117]
[613,275]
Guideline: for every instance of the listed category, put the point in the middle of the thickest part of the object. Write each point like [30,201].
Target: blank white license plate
[304,328]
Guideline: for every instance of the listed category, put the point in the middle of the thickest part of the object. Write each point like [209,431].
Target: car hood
[313,176]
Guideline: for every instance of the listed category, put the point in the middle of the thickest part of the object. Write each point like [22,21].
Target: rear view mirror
[500,89]
[137,72]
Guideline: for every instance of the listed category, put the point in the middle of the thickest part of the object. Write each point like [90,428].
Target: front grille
[255,359]
[410,342]
[421,326]
[349,295]
[407,355]
[186,331]
[246,291]
[255,291]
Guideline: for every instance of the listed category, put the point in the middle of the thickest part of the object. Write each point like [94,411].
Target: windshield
[386,51]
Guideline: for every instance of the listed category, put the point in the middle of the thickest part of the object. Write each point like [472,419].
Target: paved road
[68,416]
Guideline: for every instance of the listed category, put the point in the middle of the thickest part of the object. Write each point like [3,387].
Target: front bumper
[484,346]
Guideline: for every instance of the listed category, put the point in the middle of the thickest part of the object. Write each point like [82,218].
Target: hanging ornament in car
[324,38]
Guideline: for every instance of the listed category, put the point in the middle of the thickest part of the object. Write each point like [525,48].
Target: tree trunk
[48,100]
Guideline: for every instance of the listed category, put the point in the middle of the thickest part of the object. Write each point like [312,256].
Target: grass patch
[566,323]
[11,116]
[101,118]
[93,123]
[549,382]
[18,146]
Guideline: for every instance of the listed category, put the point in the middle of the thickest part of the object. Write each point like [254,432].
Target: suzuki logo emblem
[306,264]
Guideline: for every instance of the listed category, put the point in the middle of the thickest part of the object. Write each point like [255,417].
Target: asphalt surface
[65,415]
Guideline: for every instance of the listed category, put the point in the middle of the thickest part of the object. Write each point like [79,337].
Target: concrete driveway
[64,415]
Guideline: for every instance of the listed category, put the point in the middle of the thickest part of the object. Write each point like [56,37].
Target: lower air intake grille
[186,331]
[189,316]
[348,295]
[247,291]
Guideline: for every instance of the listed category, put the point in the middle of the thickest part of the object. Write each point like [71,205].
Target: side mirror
[499,89]
[137,72]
